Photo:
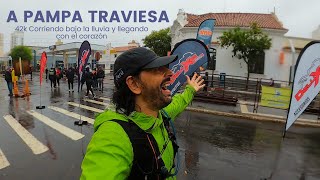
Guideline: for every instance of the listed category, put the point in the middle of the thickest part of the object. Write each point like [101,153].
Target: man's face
[154,84]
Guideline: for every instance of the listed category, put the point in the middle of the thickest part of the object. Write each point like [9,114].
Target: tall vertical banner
[205,31]
[192,53]
[204,34]
[83,57]
[306,81]
[43,64]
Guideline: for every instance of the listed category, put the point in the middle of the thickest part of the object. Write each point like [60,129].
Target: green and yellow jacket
[110,154]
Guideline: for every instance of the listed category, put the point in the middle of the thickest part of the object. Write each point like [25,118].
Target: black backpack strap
[170,129]
[146,164]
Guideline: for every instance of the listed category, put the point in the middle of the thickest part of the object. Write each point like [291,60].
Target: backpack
[51,72]
[147,164]
[7,76]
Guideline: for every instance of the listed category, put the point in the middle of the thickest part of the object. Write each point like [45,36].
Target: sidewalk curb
[256,117]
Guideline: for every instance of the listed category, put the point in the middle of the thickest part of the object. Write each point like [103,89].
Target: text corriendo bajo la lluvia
[82,32]
[76,29]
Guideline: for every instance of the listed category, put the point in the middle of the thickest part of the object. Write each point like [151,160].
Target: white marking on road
[3,160]
[85,107]
[34,144]
[72,134]
[72,114]
[96,102]
[243,107]
[103,98]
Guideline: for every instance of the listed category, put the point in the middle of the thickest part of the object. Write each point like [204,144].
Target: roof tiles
[268,21]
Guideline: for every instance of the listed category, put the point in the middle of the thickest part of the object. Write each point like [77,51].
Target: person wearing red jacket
[59,75]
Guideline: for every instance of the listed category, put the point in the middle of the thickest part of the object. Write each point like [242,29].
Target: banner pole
[83,57]
[40,95]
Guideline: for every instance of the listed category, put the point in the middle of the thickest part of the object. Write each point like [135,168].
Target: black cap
[137,59]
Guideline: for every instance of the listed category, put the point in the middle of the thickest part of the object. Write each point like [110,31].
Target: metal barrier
[230,90]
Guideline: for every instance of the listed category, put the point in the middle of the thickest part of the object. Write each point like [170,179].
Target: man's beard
[154,97]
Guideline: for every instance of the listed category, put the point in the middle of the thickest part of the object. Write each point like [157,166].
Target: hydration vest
[51,72]
[147,164]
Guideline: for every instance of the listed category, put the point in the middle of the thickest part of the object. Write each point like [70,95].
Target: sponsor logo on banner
[205,33]
[306,81]
[84,56]
[184,64]
[311,78]
[192,53]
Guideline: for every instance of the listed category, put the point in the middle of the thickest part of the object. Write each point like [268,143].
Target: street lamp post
[34,59]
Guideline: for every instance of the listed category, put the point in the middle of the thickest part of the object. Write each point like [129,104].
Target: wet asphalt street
[211,147]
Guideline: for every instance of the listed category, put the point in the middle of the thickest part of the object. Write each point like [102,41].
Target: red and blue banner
[205,31]
[43,64]
[204,34]
[192,54]
[83,57]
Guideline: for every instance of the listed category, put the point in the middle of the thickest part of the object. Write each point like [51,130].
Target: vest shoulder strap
[145,163]
[170,130]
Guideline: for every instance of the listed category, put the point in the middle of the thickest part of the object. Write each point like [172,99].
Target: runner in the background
[88,77]
[52,77]
[8,78]
[70,78]
[58,75]
[100,76]
[47,74]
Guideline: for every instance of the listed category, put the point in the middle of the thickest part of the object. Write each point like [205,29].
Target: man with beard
[135,139]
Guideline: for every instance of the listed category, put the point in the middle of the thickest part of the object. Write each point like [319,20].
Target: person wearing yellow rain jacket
[135,138]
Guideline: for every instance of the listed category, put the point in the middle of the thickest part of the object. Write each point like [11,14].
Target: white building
[111,53]
[1,45]
[66,55]
[276,63]
[17,39]
[316,33]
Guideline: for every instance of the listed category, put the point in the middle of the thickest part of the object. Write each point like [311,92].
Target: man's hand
[196,82]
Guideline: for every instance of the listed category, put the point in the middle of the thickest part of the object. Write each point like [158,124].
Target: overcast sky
[300,17]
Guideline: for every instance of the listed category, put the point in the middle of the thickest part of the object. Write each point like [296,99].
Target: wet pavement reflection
[214,147]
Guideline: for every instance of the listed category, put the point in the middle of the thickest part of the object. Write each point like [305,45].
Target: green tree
[159,41]
[248,45]
[21,51]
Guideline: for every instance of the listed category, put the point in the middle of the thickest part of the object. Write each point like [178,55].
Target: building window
[257,65]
